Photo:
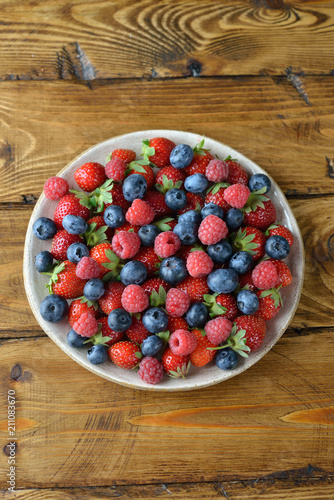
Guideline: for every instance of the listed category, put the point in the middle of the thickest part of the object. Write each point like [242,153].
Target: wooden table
[257,75]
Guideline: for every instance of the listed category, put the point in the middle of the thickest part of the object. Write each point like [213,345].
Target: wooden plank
[45,39]
[105,434]
[267,120]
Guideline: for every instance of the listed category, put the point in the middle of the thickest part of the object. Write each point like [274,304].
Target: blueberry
[191,216]
[241,262]
[93,289]
[74,224]
[133,272]
[197,315]
[247,302]
[181,156]
[234,218]
[155,320]
[187,232]
[223,280]
[74,339]
[259,181]
[173,270]
[76,251]
[227,359]
[53,308]
[277,247]
[134,186]
[97,354]
[114,216]
[152,345]
[176,199]
[43,261]
[220,252]
[196,183]
[212,209]
[44,228]
[147,234]
[119,320]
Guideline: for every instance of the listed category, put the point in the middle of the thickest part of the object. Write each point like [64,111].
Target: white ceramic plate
[197,377]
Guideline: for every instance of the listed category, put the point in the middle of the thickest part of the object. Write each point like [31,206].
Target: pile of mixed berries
[171,259]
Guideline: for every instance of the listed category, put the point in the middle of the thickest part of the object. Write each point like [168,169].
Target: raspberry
[86,326]
[134,299]
[199,264]
[115,169]
[217,171]
[237,195]
[177,302]
[55,188]
[125,244]
[211,230]
[150,370]
[217,330]
[140,213]
[182,342]
[166,244]
[88,268]
[265,275]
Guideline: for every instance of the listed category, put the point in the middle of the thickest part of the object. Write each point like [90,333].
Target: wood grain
[78,40]
[117,435]
[44,125]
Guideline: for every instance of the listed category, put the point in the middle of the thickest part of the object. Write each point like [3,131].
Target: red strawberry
[177,324]
[126,155]
[250,239]
[125,354]
[146,171]
[90,176]
[223,304]
[162,150]
[283,272]
[185,250]
[60,243]
[64,281]
[118,198]
[157,201]
[149,258]
[175,365]
[246,281]
[97,231]
[111,298]
[194,202]
[175,176]
[108,332]
[199,163]
[137,332]
[259,212]
[255,330]
[270,303]
[127,227]
[216,196]
[154,284]
[201,356]
[280,230]
[100,253]
[69,204]
[77,308]
[237,175]
[196,288]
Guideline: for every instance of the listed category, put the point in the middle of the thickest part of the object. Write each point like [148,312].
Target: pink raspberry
[217,330]
[86,325]
[217,171]
[134,299]
[140,213]
[212,230]
[265,275]
[177,302]
[115,169]
[125,244]
[166,244]
[150,370]
[199,264]
[236,195]
[88,268]
[55,188]
[182,342]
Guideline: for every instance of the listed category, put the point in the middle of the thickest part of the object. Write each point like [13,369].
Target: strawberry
[64,281]
[126,155]
[127,227]
[97,231]
[270,303]
[196,288]
[216,195]
[125,354]
[145,170]
[175,365]
[104,255]
[108,332]
[254,330]
[246,282]
[118,198]
[156,200]
[69,204]
[154,284]
[60,243]
[77,308]
[111,299]
[137,332]
[200,160]
[223,304]
[250,239]
[259,211]
[149,258]
[90,176]
[185,250]
[280,230]
[177,324]
[237,175]
[201,356]
[283,272]
[194,202]
[168,178]
[162,150]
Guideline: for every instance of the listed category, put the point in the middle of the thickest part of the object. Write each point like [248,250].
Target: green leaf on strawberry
[95,236]
[167,184]
[241,242]
[162,224]
[214,308]
[256,199]
[158,299]
[236,341]
[274,294]
[215,188]
[98,338]
[229,158]
[164,336]
[137,166]
[199,149]
[90,303]
[54,275]
[181,372]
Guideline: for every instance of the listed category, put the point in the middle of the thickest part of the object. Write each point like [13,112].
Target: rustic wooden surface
[257,75]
